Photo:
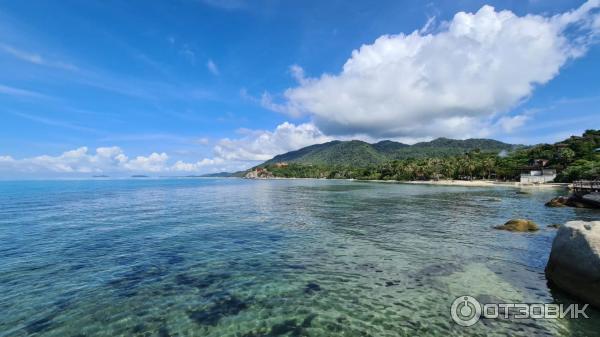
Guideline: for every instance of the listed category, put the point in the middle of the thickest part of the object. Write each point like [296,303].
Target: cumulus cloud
[458,81]
[182,166]
[104,160]
[153,163]
[229,155]
[263,145]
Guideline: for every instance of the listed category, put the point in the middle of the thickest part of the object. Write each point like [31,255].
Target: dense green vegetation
[574,158]
[357,153]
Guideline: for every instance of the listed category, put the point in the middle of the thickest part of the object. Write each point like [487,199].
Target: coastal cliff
[259,173]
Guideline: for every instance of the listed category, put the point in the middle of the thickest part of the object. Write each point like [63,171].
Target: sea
[289,257]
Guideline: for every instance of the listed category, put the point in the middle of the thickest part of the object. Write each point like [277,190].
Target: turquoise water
[233,257]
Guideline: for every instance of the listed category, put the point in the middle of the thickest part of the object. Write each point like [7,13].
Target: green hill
[357,153]
[577,157]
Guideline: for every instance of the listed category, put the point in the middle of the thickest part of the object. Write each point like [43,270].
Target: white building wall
[537,179]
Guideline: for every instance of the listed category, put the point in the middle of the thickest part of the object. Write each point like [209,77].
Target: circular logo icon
[465,310]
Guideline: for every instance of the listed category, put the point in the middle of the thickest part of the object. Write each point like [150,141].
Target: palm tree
[489,163]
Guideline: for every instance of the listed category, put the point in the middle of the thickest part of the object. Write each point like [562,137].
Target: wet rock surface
[519,225]
[574,263]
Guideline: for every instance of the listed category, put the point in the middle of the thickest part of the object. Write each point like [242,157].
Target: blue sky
[192,86]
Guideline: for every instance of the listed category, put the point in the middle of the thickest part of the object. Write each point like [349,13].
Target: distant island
[575,158]
[139,176]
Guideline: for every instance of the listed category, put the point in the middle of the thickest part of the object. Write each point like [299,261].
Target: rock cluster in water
[574,264]
[519,225]
[590,200]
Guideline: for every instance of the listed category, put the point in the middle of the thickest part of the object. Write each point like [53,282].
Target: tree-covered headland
[577,157]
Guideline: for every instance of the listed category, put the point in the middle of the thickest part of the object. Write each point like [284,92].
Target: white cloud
[187,52]
[212,67]
[298,73]
[459,81]
[6,160]
[74,161]
[229,155]
[511,123]
[203,141]
[104,160]
[181,166]
[263,145]
[12,91]
[156,162]
[34,58]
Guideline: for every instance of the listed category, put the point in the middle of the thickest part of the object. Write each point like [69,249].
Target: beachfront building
[537,172]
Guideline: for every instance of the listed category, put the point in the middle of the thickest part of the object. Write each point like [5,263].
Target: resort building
[537,173]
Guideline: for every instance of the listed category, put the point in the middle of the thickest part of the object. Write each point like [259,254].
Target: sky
[187,87]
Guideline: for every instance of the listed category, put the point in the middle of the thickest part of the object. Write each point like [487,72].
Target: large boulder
[574,264]
[592,199]
[519,225]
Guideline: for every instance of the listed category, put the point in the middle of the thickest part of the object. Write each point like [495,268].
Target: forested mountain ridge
[361,154]
[577,157]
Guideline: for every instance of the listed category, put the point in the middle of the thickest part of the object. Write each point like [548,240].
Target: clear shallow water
[232,257]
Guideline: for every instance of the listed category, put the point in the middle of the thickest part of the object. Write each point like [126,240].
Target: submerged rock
[554,225]
[574,263]
[230,306]
[312,287]
[200,282]
[285,327]
[39,325]
[519,225]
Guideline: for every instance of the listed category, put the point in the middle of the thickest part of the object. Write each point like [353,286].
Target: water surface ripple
[232,257]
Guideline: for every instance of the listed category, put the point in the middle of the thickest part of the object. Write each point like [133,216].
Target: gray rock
[592,198]
[574,264]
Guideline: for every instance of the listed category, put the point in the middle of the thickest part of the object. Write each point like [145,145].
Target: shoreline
[486,183]
[445,182]
[472,183]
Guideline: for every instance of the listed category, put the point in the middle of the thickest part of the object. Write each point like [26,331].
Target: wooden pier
[586,186]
